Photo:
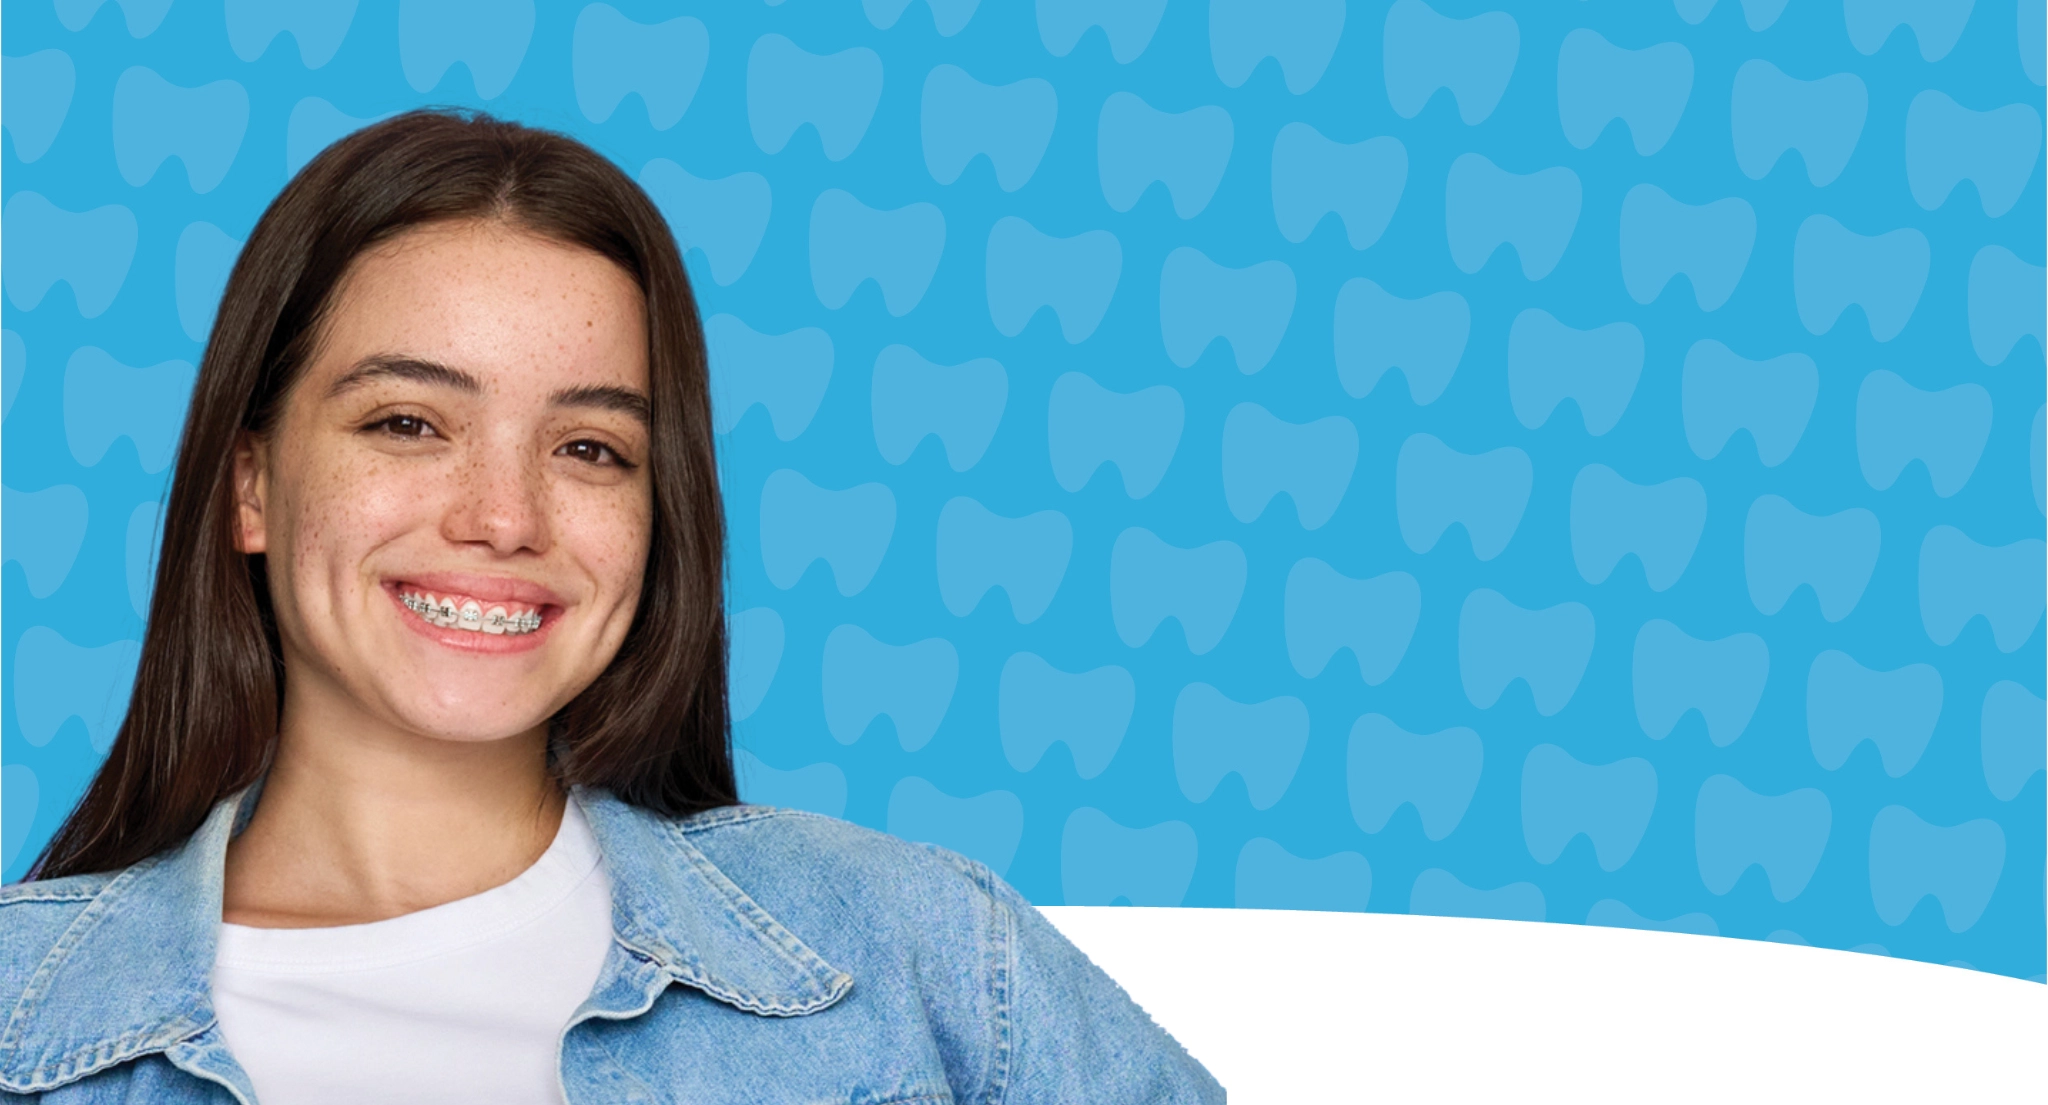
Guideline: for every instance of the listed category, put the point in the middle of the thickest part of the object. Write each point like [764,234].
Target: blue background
[1579,462]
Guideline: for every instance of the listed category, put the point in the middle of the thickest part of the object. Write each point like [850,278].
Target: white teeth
[470,616]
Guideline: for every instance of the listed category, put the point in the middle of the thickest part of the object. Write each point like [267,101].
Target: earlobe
[250,490]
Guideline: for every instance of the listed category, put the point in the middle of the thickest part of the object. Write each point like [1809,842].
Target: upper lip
[483,588]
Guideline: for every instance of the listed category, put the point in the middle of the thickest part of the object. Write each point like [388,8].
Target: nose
[499,501]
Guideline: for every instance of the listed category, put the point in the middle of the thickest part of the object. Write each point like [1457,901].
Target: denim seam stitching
[195,1053]
[737,815]
[95,1055]
[87,919]
[785,943]
[1003,955]
[33,892]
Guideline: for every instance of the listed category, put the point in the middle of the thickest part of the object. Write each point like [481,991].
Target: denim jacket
[758,955]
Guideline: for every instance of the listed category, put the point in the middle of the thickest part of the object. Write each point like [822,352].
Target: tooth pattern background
[1717,423]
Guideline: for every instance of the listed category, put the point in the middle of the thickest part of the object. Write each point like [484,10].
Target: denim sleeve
[1069,1033]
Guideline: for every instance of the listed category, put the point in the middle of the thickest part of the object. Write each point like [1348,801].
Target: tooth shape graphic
[1300,36]
[1599,82]
[1785,548]
[1546,648]
[789,87]
[1377,332]
[1215,736]
[1724,392]
[1897,424]
[155,120]
[105,400]
[1486,207]
[1936,24]
[720,219]
[2005,303]
[1834,268]
[1425,51]
[613,57]
[1359,182]
[1138,145]
[1549,362]
[317,28]
[88,250]
[488,37]
[962,119]
[1771,113]
[1663,238]
[1126,24]
[1029,270]
[852,243]
[1201,301]
[1089,426]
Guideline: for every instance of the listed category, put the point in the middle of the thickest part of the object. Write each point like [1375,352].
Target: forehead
[512,308]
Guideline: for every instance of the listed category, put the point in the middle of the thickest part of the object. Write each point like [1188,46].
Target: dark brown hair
[203,717]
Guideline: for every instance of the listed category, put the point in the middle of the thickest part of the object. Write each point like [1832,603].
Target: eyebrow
[603,397]
[388,367]
[382,366]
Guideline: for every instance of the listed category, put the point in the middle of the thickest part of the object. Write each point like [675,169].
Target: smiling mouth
[457,612]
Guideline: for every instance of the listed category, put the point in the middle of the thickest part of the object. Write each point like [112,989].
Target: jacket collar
[131,974]
[671,905]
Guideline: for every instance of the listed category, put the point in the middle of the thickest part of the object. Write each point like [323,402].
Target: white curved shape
[1294,1006]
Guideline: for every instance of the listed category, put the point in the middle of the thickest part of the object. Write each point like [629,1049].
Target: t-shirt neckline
[570,859]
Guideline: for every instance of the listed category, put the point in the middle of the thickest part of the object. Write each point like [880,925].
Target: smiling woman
[425,790]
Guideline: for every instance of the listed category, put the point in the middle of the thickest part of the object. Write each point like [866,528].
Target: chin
[472,737]
[462,721]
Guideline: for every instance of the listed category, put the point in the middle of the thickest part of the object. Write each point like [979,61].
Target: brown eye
[404,425]
[593,452]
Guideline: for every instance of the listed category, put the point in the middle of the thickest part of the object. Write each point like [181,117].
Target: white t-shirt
[462,1002]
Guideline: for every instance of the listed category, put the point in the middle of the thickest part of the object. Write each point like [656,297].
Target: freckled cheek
[358,504]
[609,533]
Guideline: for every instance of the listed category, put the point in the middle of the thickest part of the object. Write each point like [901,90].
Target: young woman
[425,791]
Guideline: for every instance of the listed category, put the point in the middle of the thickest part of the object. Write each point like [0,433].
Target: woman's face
[455,506]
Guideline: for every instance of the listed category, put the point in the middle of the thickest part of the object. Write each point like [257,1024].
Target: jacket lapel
[691,924]
[130,976]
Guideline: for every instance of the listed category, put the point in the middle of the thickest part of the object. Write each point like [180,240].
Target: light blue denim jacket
[758,955]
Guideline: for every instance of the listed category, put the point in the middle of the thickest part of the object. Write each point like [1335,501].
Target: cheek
[348,506]
[609,529]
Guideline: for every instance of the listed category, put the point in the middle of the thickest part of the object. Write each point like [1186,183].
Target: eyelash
[388,426]
[615,461]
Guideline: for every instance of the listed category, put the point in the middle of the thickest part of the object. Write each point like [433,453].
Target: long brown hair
[203,717]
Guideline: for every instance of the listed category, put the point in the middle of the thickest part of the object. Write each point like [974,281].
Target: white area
[464,1001]
[1286,1006]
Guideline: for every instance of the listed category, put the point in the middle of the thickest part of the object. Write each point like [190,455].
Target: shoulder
[34,917]
[768,846]
[921,930]
[874,905]
[983,964]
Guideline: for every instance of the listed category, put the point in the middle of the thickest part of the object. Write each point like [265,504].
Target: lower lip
[464,640]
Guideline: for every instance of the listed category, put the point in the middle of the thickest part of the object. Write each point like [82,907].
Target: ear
[252,487]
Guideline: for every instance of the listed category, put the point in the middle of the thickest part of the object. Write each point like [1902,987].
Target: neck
[358,822]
